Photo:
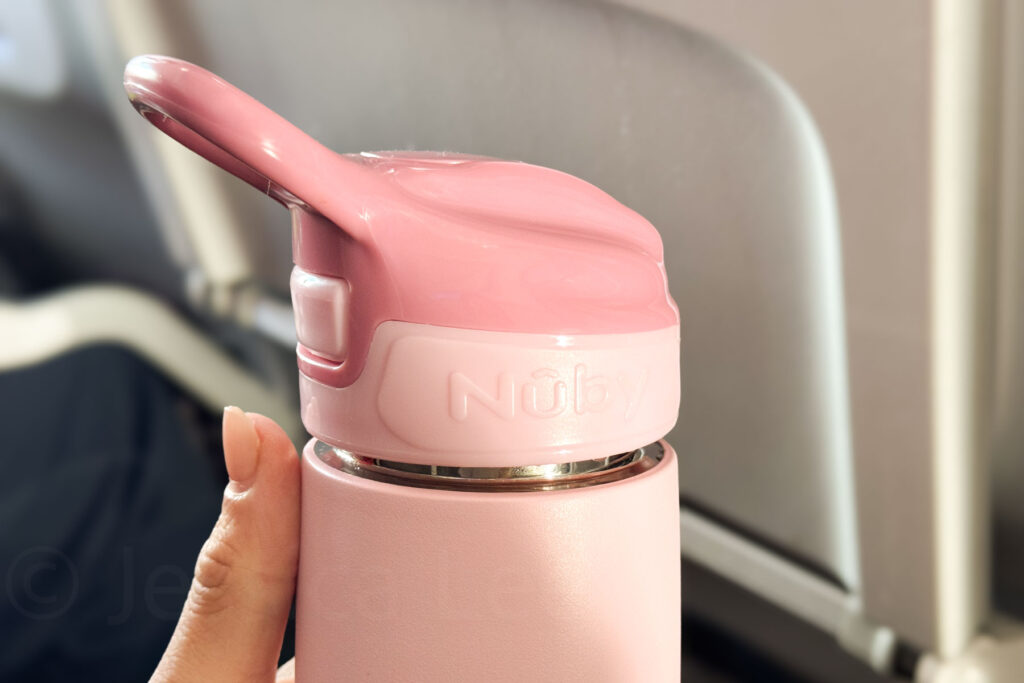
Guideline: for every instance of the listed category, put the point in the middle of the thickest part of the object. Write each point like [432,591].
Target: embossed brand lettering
[461,388]
[546,393]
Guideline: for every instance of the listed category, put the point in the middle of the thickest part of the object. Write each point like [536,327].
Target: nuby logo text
[546,393]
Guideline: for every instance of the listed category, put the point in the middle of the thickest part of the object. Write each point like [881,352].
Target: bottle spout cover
[451,309]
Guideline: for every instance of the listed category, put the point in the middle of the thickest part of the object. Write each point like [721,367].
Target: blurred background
[836,184]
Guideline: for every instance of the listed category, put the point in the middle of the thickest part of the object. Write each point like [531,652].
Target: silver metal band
[521,478]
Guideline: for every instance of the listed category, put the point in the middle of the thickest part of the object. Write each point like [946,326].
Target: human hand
[235,615]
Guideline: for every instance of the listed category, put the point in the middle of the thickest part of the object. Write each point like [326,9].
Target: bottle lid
[451,309]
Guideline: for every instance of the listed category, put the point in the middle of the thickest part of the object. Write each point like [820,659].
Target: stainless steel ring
[522,478]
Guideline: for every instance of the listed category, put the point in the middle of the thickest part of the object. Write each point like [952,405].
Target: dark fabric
[108,487]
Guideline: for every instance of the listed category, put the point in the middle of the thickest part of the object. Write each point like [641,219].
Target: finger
[234,617]
[286,674]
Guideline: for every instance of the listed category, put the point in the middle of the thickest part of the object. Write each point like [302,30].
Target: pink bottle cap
[450,309]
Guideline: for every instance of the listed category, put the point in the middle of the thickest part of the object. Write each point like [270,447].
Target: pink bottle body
[403,583]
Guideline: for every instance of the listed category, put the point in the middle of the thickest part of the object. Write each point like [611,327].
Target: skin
[234,618]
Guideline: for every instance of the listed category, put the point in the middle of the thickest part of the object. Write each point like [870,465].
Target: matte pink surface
[445,240]
[409,584]
[443,396]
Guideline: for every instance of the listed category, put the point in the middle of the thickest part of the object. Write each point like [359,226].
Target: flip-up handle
[236,132]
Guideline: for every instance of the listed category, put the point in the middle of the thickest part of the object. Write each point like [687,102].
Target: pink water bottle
[489,357]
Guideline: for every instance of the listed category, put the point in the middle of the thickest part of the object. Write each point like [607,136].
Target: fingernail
[241,445]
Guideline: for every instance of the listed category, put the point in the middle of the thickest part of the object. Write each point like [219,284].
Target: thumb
[234,617]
